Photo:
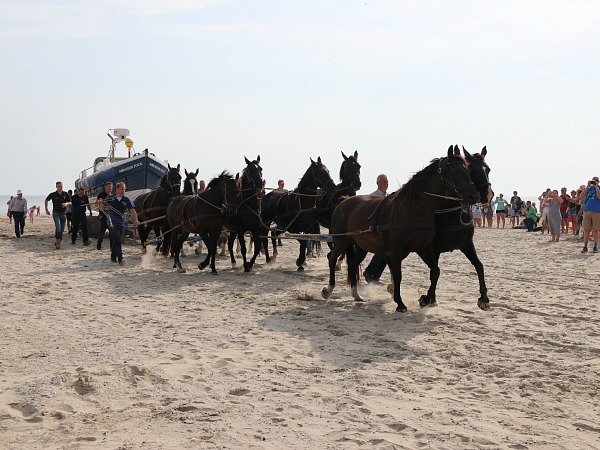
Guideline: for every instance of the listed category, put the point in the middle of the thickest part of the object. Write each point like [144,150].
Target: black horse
[454,229]
[296,211]
[247,213]
[151,207]
[348,186]
[203,214]
[398,224]
[190,184]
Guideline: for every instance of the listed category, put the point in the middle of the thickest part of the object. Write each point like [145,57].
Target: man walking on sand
[18,209]
[79,203]
[59,200]
[116,206]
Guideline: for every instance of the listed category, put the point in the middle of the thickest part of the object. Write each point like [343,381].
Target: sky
[203,83]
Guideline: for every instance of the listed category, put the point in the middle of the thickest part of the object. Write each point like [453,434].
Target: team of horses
[428,215]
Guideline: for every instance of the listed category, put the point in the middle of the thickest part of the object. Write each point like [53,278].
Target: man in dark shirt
[117,205]
[515,209]
[79,203]
[59,199]
[102,216]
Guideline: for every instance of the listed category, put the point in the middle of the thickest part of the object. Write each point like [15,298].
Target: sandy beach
[94,355]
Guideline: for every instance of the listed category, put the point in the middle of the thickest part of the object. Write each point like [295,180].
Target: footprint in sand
[239,392]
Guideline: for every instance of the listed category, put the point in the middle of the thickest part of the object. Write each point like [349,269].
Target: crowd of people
[577,213]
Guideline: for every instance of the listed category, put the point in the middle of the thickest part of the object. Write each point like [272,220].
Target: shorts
[500,211]
[513,213]
[591,220]
[564,214]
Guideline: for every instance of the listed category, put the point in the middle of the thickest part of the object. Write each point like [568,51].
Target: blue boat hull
[140,173]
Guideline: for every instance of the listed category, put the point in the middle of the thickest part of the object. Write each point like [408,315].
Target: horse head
[480,174]
[457,176]
[172,181]
[320,177]
[223,191]
[232,190]
[190,184]
[252,175]
[350,172]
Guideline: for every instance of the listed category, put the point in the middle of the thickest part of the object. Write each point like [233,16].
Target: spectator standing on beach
[38,210]
[564,210]
[377,265]
[574,207]
[79,203]
[501,205]
[591,213]
[18,209]
[8,213]
[32,211]
[554,219]
[477,214]
[59,199]
[544,209]
[117,205]
[102,215]
[488,214]
[515,209]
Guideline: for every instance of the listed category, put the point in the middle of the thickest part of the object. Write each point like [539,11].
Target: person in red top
[564,210]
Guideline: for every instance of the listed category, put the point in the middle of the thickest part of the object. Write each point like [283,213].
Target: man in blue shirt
[117,205]
[591,213]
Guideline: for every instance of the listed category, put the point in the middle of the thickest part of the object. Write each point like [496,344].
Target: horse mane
[416,184]
[224,176]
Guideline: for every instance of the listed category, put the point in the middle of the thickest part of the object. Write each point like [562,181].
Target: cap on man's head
[19,192]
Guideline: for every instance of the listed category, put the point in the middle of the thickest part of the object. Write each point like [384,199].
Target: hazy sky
[205,83]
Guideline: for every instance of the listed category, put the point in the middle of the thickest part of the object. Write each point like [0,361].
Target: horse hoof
[214,272]
[326,292]
[181,270]
[300,269]
[356,295]
[201,266]
[401,308]
[484,305]
[423,301]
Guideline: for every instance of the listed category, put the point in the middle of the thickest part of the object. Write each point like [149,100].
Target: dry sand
[94,355]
